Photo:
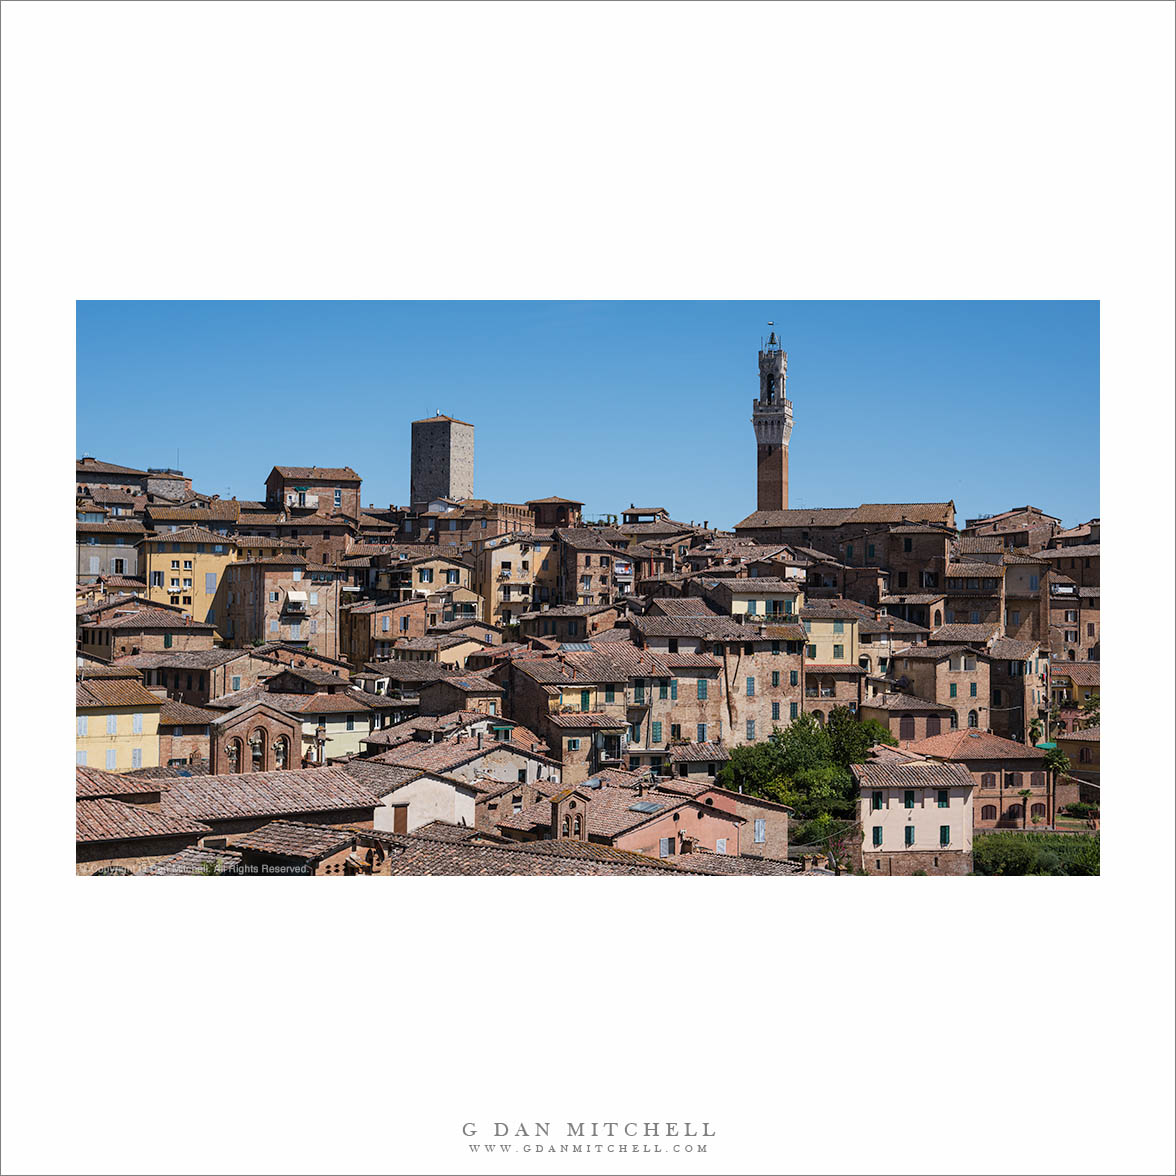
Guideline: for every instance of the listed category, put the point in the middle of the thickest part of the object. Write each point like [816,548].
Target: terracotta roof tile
[253,794]
[970,745]
[103,819]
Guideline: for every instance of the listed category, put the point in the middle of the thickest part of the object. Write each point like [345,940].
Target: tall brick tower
[442,459]
[771,415]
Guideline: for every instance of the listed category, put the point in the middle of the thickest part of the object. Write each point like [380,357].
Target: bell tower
[771,416]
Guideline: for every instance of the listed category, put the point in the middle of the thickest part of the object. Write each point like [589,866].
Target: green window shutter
[793,678]
[585,699]
[673,688]
[663,690]
[944,834]
[943,801]
[972,689]
[775,677]
[952,690]
[877,834]
[793,710]
[876,802]
[908,799]
[656,735]
[610,695]
[909,835]
[701,687]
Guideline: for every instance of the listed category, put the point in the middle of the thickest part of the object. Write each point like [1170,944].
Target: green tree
[1036,727]
[850,739]
[1090,711]
[1024,794]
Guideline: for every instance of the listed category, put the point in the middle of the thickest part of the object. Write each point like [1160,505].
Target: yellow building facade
[186,567]
[117,724]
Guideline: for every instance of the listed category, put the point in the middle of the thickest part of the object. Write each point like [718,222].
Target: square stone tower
[442,459]
[771,416]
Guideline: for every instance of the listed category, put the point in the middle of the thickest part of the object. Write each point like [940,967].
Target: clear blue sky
[992,404]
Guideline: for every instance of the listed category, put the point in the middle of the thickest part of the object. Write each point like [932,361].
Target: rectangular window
[656,734]
[111,759]
[585,700]
[137,724]
[750,687]
[908,838]
[775,710]
[350,722]
[273,626]
[573,745]
[236,682]
[136,758]
[793,678]
[941,798]
[972,689]
[210,582]
[665,846]
[951,690]
[751,728]
[156,579]
[701,733]
[761,830]
[775,677]
[701,687]
[944,834]
[838,626]
[663,689]
[610,694]
[810,651]
[638,692]
[111,724]
[877,834]
[793,710]
[385,624]
[297,574]
[876,801]
[673,689]
[751,605]
[908,799]
[314,598]
[675,731]
[296,631]
[338,496]
[838,652]
[720,845]
[82,758]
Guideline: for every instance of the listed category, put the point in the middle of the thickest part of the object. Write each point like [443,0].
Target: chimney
[807,863]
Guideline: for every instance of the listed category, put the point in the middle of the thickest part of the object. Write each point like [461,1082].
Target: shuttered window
[751,728]
[656,733]
[111,760]
[673,688]
[701,687]
[137,724]
[909,835]
[908,799]
[83,724]
[210,582]
[721,845]
[666,846]
[761,826]
[111,724]
[942,798]
[750,687]
[136,757]
[944,834]
[82,758]
[610,695]
[876,801]
[701,733]
[877,834]
[793,710]
[585,700]
[793,678]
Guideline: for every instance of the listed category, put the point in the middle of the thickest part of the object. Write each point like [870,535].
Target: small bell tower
[771,417]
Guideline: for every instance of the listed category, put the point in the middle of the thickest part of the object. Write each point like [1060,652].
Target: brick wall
[945,861]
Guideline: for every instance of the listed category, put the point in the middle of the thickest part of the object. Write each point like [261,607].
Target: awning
[296,597]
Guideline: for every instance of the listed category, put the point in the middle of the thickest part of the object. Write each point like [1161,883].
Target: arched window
[973,719]
[1072,655]
[820,717]
[1014,811]
[1037,812]
[938,619]
[988,813]
[955,721]
[577,826]
[281,752]
[257,751]
[932,725]
[988,780]
[1037,780]
[567,825]
[233,755]
[864,662]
